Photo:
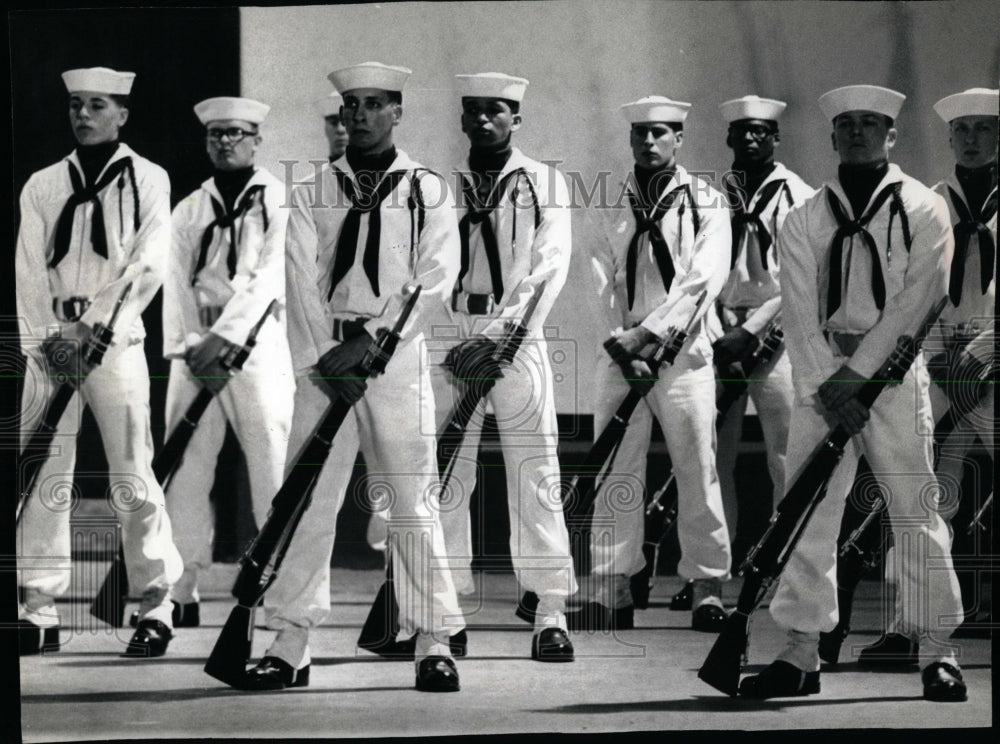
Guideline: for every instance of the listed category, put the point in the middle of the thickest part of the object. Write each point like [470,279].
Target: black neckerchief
[859,182]
[93,158]
[652,182]
[976,183]
[751,176]
[231,183]
[375,165]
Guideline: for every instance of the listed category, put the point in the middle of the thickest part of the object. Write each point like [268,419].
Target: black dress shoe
[682,600]
[186,615]
[830,644]
[595,616]
[975,626]
[31,639]
[551,644]
[890,650]
[437,674]
[405,650]
[780,679]
[272,673]
[527,606]
[708,618]
[943,683]
[150,639]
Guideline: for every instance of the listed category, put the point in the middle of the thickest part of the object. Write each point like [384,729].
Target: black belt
[70,310]
[344,329]
[472,304]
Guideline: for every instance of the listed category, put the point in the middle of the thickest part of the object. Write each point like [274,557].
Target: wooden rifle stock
[109,603]
[262,559]
[40,443]
[766,560]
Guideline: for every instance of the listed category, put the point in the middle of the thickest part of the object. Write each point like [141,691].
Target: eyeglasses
[758,131]
[234,134]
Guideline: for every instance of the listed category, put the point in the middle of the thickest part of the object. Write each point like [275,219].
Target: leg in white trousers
[773,397]
[684,403]
[401,472]
[900,455]
[257,402]
[118,394]
[522,402]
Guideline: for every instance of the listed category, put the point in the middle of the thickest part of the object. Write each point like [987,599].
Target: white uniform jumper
[418,244]
[882,297]
[214,285]
[751,298]
[530,243]
[698,235]
[51,290]
[972,283]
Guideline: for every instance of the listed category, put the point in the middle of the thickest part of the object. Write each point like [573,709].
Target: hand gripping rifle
[582,489]
[766,560]
[660,518]
[262,558]
[382,624]
[767,349]
[40,443]
[109,604]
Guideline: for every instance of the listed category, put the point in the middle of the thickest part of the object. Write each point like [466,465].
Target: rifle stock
[262,559]
[766,560]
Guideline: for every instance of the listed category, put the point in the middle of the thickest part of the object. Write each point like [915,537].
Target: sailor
[227,264]
[761,193]
[374,224]
[91,224]
[515,238]
[673,247]
[862,262]
[329,108]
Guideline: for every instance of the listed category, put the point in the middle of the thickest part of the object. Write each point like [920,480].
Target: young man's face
[488,121]
[336,135]
[862,137]
[231,143]
[95,117]
[370,116]
[654,144]
[973,140]
[752,141]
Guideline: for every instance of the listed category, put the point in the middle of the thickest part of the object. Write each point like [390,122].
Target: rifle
[93,351]
[263,557]
[859,554]
[109,604]
[382,624]
[660,519]
[767,348]
[977,519]
[582,489]
[766,560]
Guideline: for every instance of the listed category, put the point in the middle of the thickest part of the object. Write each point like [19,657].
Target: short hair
[121,100]
[394,96]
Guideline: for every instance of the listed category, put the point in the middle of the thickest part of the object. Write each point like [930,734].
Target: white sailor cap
[751,107]
[369,75]
[226,107]
[492,85]
[655,108]
[99,80]
[971,102]
[861,98]
[329,105]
